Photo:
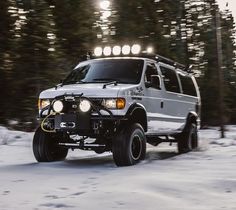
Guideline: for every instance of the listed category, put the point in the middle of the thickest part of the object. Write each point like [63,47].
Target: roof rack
[156,57]
[168,61]
[162,59]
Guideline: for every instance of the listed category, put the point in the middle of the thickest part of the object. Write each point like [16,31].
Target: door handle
[162,104]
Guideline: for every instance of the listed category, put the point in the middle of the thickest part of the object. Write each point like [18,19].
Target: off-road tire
[188,140]
[45,147]
[129,145]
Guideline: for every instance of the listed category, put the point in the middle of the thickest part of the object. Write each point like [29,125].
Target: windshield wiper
[73,82]
[111,81]
[69,83]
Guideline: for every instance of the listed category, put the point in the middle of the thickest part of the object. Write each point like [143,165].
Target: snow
[200,180]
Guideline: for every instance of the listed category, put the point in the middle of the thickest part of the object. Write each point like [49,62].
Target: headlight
[84,105]
[118,103]
[109,103]
[42,103]
[58,106]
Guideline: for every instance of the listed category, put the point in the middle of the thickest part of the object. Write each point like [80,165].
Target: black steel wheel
[188,140]
[129,145]
[45,147]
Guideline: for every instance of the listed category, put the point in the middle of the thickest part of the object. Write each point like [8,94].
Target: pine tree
[76,32]
[229,65]
[7,21]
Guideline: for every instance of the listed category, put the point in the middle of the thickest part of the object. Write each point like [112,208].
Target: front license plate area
[66,122]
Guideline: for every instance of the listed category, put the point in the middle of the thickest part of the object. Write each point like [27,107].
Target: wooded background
[42,40]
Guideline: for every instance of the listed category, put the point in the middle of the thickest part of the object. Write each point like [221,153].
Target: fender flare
[191,118]
[136,107]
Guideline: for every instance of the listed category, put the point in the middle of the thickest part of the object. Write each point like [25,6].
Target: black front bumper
[86,124]
[74,121]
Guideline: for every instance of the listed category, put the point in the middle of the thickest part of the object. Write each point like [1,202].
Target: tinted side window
[187,85]
[170,80]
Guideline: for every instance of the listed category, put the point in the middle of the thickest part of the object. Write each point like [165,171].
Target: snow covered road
[201,180]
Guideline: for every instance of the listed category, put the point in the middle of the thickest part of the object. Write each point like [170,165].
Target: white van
[119,104]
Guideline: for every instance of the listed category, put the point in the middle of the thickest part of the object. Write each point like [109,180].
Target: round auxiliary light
[58,106]
[150,50]
[126,50]
[116,50]
[136,49]
[107,51]
[98,51]
[84,105]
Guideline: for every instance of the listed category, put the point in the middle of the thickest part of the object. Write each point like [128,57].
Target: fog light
[58,106]
[84,105]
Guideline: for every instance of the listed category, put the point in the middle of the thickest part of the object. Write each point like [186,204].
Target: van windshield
[127,71]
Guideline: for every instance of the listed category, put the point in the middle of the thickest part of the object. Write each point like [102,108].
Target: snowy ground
[201,180]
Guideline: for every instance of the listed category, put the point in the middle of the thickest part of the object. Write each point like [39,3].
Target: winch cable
[44,120]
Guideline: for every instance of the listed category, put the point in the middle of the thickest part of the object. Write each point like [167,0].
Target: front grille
[96,101]
[71,106]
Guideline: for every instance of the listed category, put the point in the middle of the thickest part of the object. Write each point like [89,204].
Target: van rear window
[187,85]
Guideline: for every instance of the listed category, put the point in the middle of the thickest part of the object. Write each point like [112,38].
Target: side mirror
[148,84]
[155,82]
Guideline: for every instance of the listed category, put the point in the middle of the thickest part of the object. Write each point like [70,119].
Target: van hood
[88,90]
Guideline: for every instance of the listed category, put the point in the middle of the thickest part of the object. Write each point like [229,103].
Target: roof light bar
[121,50]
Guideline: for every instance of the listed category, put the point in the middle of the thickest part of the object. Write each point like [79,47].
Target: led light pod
[116,50]
[98,51]
[107,51]
[126,50]
[136,49]
[150,50]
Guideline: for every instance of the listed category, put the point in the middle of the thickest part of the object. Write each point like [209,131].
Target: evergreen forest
[41,41]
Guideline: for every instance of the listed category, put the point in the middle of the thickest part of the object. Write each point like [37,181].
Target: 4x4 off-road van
[119,104]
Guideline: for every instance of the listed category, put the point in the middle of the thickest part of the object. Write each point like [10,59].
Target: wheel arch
[137,114]
[191,118]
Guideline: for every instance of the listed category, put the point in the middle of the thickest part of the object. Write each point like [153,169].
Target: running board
[81,146]
[155,140]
